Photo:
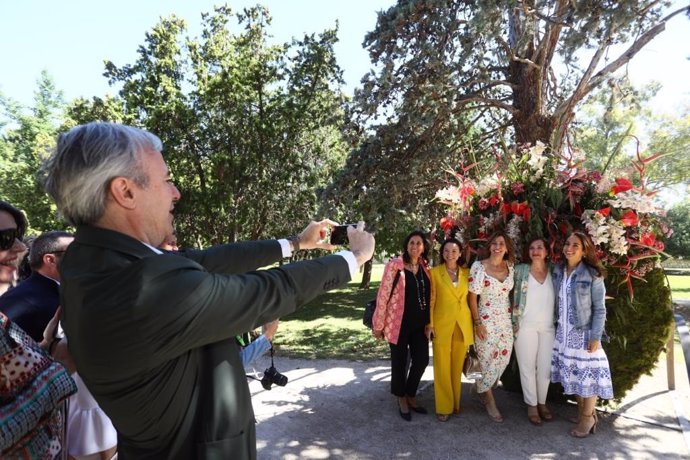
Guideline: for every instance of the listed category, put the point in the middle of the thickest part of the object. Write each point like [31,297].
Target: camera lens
[272,376]
[280,379]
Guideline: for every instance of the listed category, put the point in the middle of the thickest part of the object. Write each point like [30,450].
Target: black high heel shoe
[407,416]
[412,404]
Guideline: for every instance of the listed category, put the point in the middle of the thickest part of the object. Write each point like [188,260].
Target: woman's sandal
[544,412]
[493,412]
[533,416]
[588,430]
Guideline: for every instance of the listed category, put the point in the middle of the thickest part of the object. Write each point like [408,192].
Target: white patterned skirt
[581,373]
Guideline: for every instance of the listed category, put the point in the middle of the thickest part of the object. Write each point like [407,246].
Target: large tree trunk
[530,120]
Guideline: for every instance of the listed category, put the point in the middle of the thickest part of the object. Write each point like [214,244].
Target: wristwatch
[294,241]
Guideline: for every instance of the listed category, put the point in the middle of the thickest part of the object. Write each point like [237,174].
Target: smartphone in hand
[339,234]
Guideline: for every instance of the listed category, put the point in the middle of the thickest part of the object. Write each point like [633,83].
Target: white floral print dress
[494,311]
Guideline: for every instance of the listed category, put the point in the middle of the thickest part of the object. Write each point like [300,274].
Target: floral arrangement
[531,192]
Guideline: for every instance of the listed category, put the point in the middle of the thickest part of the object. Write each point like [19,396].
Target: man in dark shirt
[152,333]
[33,302]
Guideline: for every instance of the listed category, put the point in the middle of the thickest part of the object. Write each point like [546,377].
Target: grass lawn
[331,325]
[680,286]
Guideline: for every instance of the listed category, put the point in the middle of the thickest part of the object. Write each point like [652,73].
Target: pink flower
[517,187]
[483,204]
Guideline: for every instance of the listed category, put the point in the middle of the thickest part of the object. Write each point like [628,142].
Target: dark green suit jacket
[152,336]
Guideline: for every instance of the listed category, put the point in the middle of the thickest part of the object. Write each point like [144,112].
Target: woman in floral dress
[579,363]
[491,280]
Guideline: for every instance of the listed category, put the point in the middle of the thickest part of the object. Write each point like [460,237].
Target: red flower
[629,219]
[659,245]
[447,223]
[485,317]
[483,204]
[504,352]
[505,208]
[622,185]
[488,304]
[487,283]
[495,355]
[604,211]
[493,199]
[469,280]
[648,239]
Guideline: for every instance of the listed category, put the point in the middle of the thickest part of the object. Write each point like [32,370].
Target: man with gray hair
[152,333]
[33,302]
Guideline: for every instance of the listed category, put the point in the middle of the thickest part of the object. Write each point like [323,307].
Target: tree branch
[625,57]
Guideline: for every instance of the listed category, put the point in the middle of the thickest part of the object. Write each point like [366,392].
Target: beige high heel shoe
[590,424]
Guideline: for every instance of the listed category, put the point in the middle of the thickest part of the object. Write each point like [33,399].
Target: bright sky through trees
[71,39]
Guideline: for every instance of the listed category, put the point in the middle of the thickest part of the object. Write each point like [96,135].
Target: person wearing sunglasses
[33,302]
[12,228]
[152,333]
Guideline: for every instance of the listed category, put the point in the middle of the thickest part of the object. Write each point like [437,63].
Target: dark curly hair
[425,241]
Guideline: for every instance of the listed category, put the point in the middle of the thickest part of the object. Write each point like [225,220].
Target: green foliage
[639,329]
[25,142]
[615,118]
[251,131]
[671,136]
[678,245]
[457,82]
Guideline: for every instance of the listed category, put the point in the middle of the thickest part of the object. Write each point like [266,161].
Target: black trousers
[405,382]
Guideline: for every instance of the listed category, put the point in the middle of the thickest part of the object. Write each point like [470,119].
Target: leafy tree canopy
[251,131]
[455,82]
[25,141]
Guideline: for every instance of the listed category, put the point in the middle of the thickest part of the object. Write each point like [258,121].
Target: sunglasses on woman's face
[8,237]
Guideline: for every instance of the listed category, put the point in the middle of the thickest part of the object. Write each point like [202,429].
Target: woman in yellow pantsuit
[450,328]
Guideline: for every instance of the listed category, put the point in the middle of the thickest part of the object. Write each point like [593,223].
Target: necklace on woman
[421,290]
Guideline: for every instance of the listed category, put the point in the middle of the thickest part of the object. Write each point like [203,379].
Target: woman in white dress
[579,363]
[533,325]
[491,280]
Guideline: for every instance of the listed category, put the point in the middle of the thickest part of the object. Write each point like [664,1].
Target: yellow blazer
[449,305]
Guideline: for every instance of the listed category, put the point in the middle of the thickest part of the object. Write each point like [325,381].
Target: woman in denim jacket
[579,363]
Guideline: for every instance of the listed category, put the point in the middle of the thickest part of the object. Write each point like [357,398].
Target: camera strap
[253,377]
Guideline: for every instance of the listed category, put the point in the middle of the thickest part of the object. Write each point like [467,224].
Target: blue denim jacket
[586,299]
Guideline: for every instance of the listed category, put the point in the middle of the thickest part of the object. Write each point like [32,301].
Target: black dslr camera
[272,376]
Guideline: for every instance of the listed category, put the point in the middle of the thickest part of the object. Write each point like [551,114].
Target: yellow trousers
[449,355]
